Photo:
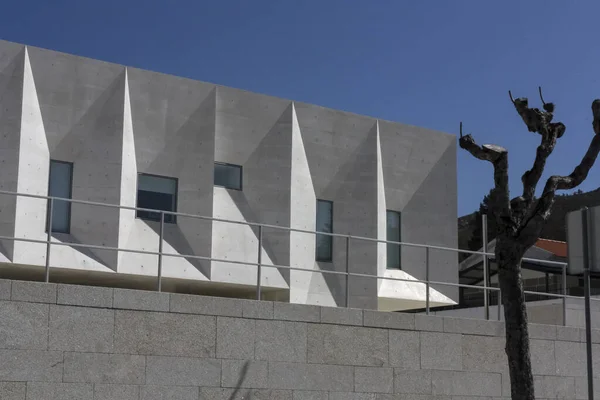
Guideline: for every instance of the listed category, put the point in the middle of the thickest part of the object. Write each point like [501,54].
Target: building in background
[77,128]
[541,272]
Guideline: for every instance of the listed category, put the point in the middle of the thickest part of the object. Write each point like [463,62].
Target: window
[60,185]
[393,234]
[324,224]
[157,193]
[228,175]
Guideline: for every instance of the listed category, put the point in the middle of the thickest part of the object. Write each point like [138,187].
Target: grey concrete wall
[73,342]
[114,122]
[11,91]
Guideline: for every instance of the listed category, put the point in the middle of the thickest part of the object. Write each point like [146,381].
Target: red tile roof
[555,247]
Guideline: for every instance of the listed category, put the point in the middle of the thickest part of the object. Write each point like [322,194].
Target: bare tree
[520,221]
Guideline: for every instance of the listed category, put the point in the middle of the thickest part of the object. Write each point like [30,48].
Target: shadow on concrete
[11,99]
[355,179]
[267,163]
[238,384]
[187,139]
[88,143]
[4,252]
[173,235]
[68,238]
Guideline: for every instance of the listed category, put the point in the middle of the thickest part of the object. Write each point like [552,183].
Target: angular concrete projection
[34,161]
[114,123]
[82,109]
[128,175]
[12,66]
[401,295]
[341,150]
[305,287]
[419,170]
[381,214]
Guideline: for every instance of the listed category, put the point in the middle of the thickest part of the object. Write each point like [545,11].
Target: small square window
[157,193]
[228,176]
[393,234]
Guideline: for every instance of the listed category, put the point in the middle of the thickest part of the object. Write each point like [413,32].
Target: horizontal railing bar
[287,267]
[290,229]
[254,224]
[557,295]
[155,253]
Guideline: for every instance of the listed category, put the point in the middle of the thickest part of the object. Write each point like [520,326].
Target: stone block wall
[91,343]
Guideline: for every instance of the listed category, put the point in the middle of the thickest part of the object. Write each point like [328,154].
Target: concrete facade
[89,343]
[115,122]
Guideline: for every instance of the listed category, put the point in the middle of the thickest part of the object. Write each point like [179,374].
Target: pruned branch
[534,224]
[498,157]
[487,152]
[540,122]
[548,107]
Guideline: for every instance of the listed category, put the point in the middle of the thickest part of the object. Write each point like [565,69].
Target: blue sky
[427,63]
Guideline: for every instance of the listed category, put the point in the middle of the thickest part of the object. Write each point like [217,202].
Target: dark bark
[520,222]
[509,254]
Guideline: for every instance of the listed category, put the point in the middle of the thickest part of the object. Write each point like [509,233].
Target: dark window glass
[229,176]
[324,224]
[157,193]
[60,185]
[393,234]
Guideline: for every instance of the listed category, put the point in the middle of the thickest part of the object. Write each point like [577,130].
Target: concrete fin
[302,216]
[34,159]
[381,211]
[128,173]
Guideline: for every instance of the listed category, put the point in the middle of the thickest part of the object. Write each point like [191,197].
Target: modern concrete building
[90,130]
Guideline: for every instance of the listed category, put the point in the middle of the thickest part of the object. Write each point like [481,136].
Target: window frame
[175,203]
[241,168]
[399,247]
[330,258]
[72,167]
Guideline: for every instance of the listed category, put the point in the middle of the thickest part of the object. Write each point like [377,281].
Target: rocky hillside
[554,229]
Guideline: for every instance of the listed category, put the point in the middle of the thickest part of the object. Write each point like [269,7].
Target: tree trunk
[509,254]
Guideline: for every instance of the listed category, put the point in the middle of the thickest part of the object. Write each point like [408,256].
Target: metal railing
[348,239]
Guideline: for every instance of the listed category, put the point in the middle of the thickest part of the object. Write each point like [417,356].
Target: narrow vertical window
[60,186]
[324,224]
[157,193]
[393,234]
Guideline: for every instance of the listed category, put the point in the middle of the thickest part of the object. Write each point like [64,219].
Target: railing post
[427,280]
[49,237]
[259,270]
[160,250]
[347,271]
[499,303]
[564,292]
[486,302]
